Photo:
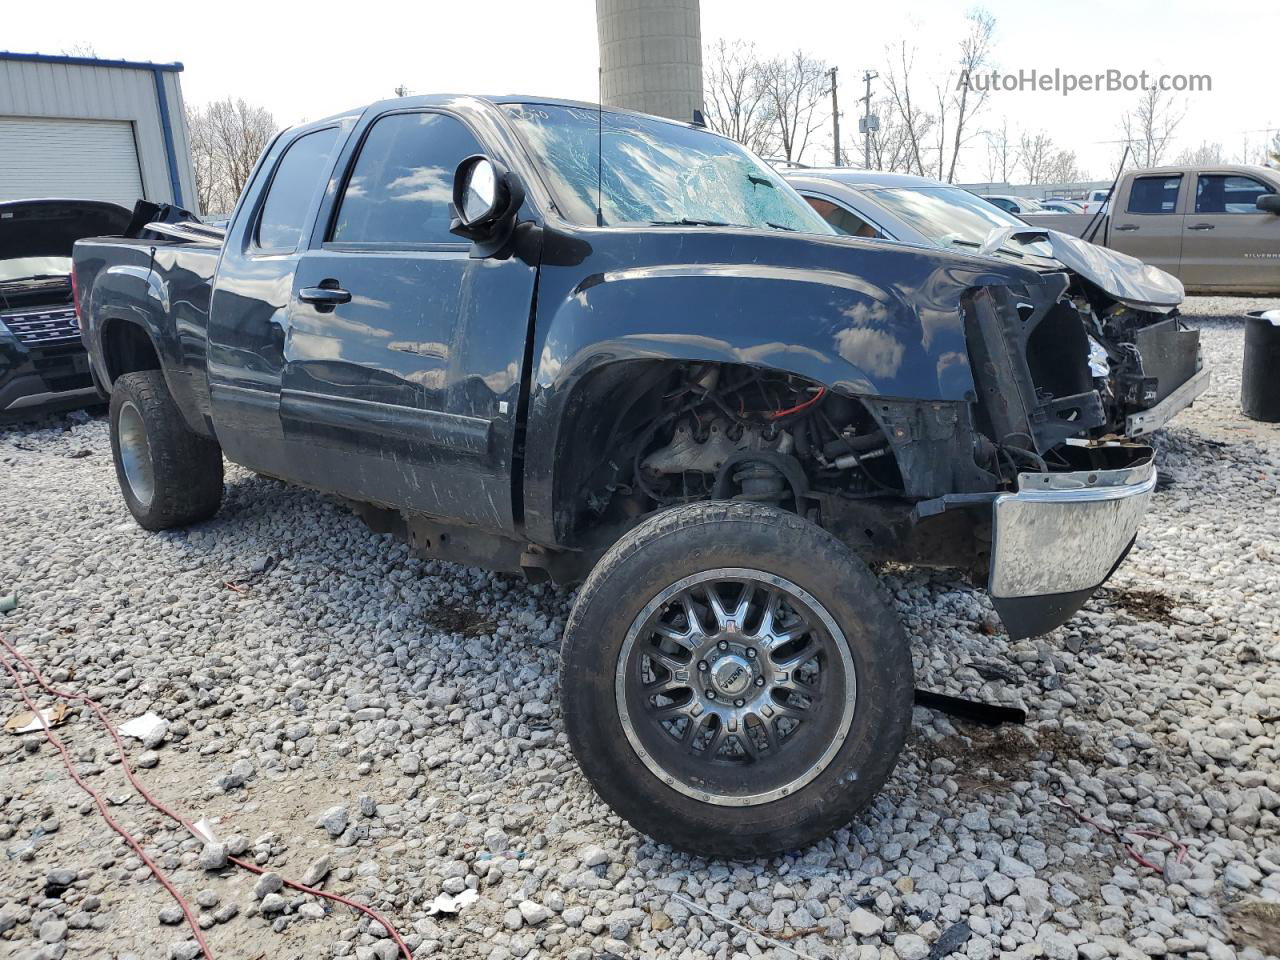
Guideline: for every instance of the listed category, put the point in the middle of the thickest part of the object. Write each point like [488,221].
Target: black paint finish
[445,385]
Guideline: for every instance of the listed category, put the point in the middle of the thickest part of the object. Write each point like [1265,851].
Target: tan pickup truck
[1217,229]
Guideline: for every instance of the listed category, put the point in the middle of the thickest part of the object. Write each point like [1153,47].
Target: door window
[298,178]
[844,221]
[401,185]
[1154,194]
[1218,193]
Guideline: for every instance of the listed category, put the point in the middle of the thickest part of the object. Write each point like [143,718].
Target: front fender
[861,317]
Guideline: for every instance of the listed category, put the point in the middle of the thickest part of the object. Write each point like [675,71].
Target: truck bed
[117,278]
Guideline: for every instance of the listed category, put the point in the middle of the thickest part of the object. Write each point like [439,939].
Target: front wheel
[733,681]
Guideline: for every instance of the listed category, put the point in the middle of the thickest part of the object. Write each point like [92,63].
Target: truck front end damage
[926,408]
[1059,536]
[1071,494]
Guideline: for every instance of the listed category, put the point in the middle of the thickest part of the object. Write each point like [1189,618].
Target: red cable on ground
[177,818]
[1119,835]
[102,806]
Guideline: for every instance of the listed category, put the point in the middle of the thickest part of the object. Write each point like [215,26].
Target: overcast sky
[306,61]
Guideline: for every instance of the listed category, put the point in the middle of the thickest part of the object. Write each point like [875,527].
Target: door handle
[324,296]
[1200,226]
[1127,226]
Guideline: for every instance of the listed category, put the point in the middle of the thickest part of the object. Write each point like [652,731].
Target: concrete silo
[651,56]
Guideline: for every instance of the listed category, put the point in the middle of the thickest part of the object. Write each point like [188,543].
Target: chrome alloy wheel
[735,686]
[135,454]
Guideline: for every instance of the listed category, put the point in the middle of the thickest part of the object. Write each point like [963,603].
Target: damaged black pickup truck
[653,367]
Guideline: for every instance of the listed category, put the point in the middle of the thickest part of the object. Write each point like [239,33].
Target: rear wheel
[169,476]
[733,681]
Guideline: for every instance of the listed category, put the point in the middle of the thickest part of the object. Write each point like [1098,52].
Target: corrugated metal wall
[79,91]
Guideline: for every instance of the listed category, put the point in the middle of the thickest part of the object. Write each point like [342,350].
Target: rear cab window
[401,185]
[1154,194]
[1228,193]
[299,177]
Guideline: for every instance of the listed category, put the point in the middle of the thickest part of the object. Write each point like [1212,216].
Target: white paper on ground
[52,716]
[444,903]
[140,727]
[203,830]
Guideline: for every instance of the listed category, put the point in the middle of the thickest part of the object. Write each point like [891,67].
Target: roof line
[90,61]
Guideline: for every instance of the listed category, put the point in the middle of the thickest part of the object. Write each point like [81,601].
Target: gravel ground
[397,719]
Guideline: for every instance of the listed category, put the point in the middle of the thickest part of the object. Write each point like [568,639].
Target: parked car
[1096,200]
[43,364]
[1014,205]
[1217,229]
[674,380]
[1147,362]
[1061,206]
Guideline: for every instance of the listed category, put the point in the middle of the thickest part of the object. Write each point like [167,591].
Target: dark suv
[43,365]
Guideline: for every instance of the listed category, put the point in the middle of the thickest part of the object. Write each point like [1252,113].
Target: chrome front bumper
[1060,536]
[1148,421]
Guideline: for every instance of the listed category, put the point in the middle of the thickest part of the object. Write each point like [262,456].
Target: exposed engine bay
[714,431]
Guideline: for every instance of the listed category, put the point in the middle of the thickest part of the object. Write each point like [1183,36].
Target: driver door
[402,376]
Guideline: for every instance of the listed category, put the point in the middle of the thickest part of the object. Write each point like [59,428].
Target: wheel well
[126,348]
[626,410]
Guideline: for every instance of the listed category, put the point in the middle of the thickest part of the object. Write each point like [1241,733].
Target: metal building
[81,127]
[651,56]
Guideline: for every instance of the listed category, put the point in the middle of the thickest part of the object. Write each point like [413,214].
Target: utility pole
[867,77]
[835,118]
[401,91]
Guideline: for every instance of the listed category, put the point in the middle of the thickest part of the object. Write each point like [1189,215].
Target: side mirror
[1270,202]
[485,200]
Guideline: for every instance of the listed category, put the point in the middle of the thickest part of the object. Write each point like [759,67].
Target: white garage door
[89,159]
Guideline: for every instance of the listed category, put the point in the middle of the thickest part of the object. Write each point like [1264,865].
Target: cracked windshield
[655,172]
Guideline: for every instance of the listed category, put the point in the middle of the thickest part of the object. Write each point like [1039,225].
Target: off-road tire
[698,537]
[187,468]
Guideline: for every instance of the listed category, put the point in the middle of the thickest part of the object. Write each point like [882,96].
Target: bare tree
[227,137]
[1273,151]
[795,88]
[914,122]
[961,102]
[1000,153]
[1035,152]
[737,102]
[1202,156]
[204,162]
[1150,125]
[1064,168]
[81,49]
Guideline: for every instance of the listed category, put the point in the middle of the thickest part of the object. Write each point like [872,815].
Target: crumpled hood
[49,228]
[1127,279]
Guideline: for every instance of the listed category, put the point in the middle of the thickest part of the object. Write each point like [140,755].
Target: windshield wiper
[689,222]
[35,276]
[779,226]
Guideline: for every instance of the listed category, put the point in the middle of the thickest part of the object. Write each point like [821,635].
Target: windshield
[23,268]
[951,217]
[655,172]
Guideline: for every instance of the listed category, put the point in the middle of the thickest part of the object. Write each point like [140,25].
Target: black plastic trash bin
[1260,383]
